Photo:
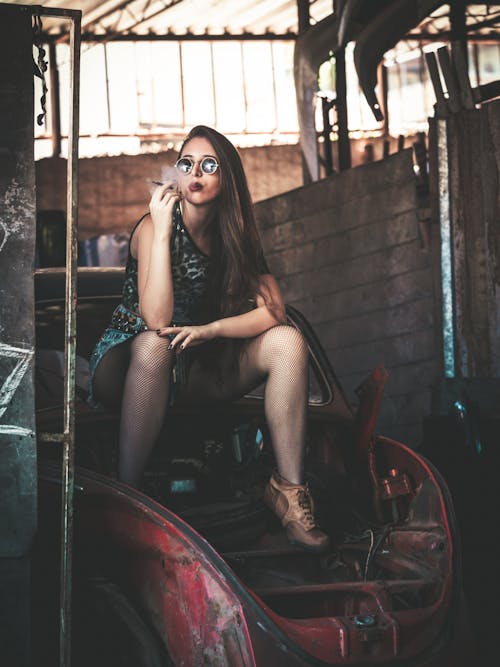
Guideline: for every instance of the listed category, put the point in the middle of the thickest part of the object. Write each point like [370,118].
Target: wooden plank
[402,377]
[391,351]
[371,294]
[450,79]
[371,327]
[441,107]
[462,73]
[336,190]
[333,249]
[331,221]
[370,297]
[393,261]
[471,184]
[491,155]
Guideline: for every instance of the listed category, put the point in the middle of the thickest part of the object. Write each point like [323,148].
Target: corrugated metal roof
[115,19]
[200,17]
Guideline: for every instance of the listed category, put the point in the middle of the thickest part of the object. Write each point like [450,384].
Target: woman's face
[197,187]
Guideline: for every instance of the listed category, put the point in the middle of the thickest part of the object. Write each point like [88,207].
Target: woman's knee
[150,353]
[285,343]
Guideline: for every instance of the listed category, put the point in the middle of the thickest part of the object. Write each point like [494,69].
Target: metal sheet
[17,249]
[311,49]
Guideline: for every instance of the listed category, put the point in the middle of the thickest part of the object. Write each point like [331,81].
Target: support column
[18,481]
[458,24]
[304,21]
[342,120]
[55,106]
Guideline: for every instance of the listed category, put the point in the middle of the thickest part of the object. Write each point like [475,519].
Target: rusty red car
[193,569]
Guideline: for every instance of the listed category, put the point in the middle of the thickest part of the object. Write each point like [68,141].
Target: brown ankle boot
[294,506]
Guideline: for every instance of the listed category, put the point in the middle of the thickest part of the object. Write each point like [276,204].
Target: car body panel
[387,592]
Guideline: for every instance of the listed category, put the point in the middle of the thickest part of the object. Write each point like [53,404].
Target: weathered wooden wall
[347,252]
[474,162]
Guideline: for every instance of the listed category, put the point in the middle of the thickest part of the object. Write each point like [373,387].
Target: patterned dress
[189,276]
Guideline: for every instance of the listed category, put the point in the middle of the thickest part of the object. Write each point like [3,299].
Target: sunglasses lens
[209,165]
[184,165]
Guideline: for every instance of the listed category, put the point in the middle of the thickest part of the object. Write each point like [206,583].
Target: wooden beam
[450,79]
[442,110]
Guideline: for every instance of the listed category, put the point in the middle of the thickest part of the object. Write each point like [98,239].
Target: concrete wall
[347,252]
[114,191]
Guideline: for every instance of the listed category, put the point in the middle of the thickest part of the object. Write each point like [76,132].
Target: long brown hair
[236,251]
[238,258]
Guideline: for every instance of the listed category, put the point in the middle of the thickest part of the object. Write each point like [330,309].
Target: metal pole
[458,24]
[183,101]
[304,21]
[106,74]
[68,464]
[55,107]
[446,251]
[214,91]
[342,120]
[326,105]
[303,15]
[384,81]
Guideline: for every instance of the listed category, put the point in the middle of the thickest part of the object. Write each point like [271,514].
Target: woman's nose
[197,168]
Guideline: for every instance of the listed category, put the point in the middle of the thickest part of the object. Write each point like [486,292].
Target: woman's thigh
[109,376]
[224,383]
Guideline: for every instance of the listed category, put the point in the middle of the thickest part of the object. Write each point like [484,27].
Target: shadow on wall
[102,250]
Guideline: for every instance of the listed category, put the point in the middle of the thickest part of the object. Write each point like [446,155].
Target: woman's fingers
[165,194]
[167,331]
[183,336]
[187,341]
[180,339]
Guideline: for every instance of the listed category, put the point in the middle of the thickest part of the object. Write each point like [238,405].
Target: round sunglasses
[208,165]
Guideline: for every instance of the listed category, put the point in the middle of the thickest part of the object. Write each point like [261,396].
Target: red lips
[195,187]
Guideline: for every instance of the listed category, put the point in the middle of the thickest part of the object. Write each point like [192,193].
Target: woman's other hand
[189,336]
[161,208]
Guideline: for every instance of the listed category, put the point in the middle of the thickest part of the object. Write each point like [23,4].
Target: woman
[197,289]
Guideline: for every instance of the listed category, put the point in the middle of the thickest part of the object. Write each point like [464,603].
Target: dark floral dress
[189,275]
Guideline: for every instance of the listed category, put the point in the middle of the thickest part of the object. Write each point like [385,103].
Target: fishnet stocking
[279,356]
[136,376]
[138,373]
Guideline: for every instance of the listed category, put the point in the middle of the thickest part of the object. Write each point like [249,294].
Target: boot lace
[304,502]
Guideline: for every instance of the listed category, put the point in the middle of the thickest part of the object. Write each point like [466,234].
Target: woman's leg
[143,392]
[280,357]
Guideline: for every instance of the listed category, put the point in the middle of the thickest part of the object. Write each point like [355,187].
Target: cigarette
[172,186]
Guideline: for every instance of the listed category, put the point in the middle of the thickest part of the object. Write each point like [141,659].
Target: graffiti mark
[12,382]
[16,430]
[4,235]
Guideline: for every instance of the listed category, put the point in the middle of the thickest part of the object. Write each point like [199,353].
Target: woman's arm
[156,297]
[270,311]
